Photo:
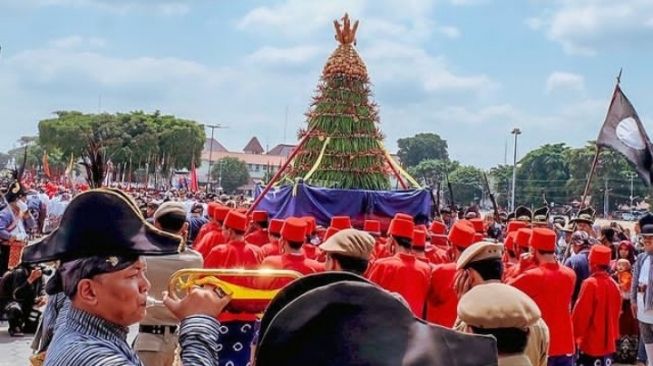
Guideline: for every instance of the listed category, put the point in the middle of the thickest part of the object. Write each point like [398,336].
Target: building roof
[282,150]
[261,159]
[254,147]
[216,145]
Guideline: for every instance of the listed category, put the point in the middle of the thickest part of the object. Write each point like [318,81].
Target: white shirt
[642,314]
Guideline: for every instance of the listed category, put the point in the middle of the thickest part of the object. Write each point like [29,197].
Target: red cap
[275,226]
[341,222]
[419,238]
[461,234]
[600,255]
[478,225]
[438,228]
[236,221]
[372,226]
[259,216]
[516,225]
[401,228]
[220,212]
[403,216]
[294,229]
[523,237]
[310,224]
[439,240]
[330,231]
[210,209]
[542,239]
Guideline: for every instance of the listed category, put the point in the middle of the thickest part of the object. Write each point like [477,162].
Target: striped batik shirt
[86,339]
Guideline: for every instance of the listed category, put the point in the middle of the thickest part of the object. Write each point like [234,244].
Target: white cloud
[163,7]
[77,41]
[564,80]
[64,58]
[297,17]
[450,32]
[291,55]
[583,27]
[396,62]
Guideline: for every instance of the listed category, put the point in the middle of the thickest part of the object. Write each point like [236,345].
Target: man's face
[331,264]
[648,244]
[583,226]
[122,295]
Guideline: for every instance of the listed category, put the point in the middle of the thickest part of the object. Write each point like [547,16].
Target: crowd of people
[549,290]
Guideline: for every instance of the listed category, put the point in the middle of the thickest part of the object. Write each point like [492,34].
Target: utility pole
[632,191]
[212,127]
[606,199]
[516,132]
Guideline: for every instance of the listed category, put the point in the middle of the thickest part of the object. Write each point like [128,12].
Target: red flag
[194,185]
[46,166]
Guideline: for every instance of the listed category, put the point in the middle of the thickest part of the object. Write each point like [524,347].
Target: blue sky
[469,70]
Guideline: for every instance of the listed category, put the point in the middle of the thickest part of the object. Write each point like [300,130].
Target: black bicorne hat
[585,215]
[523,214]
[358,323]
[541,215]
[101,222]
[646,225]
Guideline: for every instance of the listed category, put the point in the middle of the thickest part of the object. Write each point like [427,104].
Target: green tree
[543,173]
[126,138]
[467,184]
[234,174]
[344,142]
[432,171]
[611,167]
[423,146]
[501,176]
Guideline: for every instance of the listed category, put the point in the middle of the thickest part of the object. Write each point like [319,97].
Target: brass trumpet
[184,280]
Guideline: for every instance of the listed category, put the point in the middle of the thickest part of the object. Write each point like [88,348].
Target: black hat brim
[101,223]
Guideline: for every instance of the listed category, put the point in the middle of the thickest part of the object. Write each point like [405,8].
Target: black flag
[623,131]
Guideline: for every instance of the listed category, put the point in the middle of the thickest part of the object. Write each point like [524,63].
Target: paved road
[14,351]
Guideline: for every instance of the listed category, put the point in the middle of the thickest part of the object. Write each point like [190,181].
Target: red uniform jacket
[596,315]
[551,285]
[381,250]
[311,251]
[437,255]
[206,228]
[405,275]
[258,237]
[209,241]
[235,254]
[271,248]
[442,301]
[289,261]
[525,263]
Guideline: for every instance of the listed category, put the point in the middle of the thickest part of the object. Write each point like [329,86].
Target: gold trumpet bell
[250,289]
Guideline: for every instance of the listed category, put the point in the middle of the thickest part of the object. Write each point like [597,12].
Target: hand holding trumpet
[199,301]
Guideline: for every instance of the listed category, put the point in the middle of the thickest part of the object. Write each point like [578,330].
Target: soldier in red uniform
[373,227]
[511,253]
[260,226]
[216,236]
[211,225]
[274,233]
[526,260]
[402,273]
[419,243]
[293,234]
[551,286]
[596,314]
[237,253]
[311,248]
[438,251]
[442,299]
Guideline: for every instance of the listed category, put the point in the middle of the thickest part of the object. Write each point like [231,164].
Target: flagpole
[598,148]
[589,179]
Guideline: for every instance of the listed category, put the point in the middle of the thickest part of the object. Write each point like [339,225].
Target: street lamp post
[208,180]
[516,132]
